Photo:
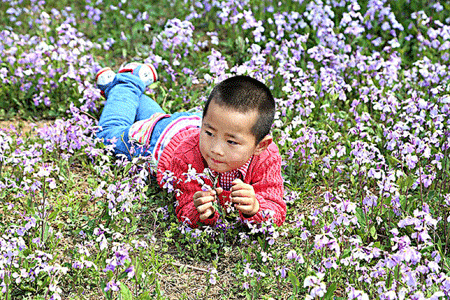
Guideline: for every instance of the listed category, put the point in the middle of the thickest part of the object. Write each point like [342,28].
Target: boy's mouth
[216,161]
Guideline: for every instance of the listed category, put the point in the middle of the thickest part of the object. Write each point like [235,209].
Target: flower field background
[363,106]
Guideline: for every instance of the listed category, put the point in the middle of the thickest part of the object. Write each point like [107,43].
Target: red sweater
[264,174]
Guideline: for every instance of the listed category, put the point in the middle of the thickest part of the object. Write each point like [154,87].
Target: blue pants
[126,104]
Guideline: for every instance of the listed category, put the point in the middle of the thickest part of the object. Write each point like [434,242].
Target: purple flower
[248,271]
[317,287]
[111,286]
[212,276]
[130,272]
[292,255]
[356,294]
[411,279]
[281,271]
[77,265]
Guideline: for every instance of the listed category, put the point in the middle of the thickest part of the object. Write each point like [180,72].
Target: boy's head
[245,94]
[236,123]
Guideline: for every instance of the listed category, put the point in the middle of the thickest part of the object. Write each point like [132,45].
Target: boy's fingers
[208,212]
[245,209]
[203,207]
[201,194]
[237,181]
[197,195]
[241,201]
[219,190]
[239,185]
[208,193]
[203,200]
[241,193]
[249,209]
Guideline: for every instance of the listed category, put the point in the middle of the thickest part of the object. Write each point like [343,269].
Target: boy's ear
[262,145]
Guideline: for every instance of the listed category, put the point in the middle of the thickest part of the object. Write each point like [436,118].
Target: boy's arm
[185,209]
[268,186]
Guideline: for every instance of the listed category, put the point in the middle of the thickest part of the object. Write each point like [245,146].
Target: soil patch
[23,126]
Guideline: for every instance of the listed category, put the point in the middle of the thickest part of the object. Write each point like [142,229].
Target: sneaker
[104,78]
[146,72]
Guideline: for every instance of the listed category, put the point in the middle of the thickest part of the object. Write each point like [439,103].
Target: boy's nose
[216,149]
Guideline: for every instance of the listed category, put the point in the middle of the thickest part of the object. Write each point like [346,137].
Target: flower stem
[42,211]
[421,191]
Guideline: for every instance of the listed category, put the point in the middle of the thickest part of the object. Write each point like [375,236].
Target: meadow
[362,124]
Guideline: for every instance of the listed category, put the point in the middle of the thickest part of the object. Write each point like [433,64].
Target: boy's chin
[217,169]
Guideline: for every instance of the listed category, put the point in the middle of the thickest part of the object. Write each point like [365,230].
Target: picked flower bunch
[225,211]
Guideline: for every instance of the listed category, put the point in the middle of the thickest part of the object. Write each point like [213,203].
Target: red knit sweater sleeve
[185,209]
[267,182]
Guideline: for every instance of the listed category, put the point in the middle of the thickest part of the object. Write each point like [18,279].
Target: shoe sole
[103,70]
[132,66]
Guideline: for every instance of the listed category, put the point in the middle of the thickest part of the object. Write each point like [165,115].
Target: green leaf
[240,43]
[330,292]
[145,296]
[294,281]
[80,290]
[360,217]
[102,286]
[393,160]
[125,292]
[211,26]
[46,228]
[127,168]
[30,205]
[373,232]
[137,268]
[378,245]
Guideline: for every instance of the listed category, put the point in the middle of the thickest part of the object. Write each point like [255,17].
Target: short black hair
[245,94]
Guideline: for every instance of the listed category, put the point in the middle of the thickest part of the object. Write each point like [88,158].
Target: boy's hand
[244,198]
[203,202]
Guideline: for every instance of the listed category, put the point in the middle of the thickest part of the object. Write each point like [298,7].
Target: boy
[231,138]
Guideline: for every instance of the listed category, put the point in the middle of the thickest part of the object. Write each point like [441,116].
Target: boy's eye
[232,142]
[208,133]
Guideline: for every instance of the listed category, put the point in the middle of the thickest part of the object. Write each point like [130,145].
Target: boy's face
[226,142]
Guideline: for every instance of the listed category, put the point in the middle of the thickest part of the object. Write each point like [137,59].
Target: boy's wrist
[248,216]
[256,208]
